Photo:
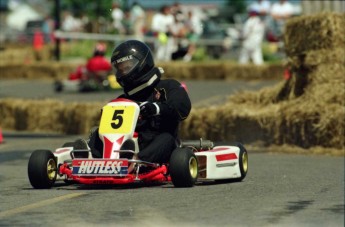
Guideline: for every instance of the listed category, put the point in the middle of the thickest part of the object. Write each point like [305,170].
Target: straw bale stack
[23,54]
[221,71]
[314,32]
[307,110]
[41,70]
[48,116]
[190,70]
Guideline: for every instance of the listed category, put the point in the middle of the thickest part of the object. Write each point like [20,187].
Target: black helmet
[134,66]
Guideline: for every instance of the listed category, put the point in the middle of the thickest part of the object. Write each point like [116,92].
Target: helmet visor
[123,66]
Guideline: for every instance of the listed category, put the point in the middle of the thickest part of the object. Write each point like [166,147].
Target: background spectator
[280,12]
[194,31]
[127,23]
[161,26]
[179,32]
[117,15]
[138,21]
[252,35]
[71,23]
[38,44]
[262,7]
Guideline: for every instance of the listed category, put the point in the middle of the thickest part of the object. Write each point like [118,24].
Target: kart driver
[98,63]
[163,103]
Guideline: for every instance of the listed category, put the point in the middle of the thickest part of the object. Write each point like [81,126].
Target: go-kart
[83,80]
[191,161]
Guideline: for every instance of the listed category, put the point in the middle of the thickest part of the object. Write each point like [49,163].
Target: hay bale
[23,54]
[322,83]
[307,124]
[193,70]
[235,71]
[48,116]
[42,70]
[307,110]
[326,84]
[314,32]
[80,118]
[221,71]
[264,96]
[298,122]
[314,58]
[225,123]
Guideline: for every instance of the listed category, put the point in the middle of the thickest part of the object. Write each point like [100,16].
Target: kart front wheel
[183,167]
[42,169]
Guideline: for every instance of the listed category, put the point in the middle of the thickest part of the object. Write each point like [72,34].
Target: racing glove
[148,109]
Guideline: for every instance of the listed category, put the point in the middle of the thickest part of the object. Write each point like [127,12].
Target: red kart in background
[83,80]
[96,75]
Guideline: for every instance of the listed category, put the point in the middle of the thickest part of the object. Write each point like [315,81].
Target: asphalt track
[279,190]
[200,92]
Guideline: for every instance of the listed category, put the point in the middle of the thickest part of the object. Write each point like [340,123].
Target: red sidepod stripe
[225,157]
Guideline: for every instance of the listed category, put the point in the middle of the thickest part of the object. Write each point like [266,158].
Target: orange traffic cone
[1,137]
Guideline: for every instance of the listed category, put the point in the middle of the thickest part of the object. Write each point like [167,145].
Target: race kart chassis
[76,162]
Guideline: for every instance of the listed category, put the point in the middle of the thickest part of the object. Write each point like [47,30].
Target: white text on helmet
[126,58]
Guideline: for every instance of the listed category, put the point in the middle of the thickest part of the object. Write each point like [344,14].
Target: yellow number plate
[117,119]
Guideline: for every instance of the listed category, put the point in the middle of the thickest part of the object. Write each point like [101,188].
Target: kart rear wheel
[243,162]
[183,167]
[42,169]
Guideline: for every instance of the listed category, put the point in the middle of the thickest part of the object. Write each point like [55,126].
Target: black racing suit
[158,135]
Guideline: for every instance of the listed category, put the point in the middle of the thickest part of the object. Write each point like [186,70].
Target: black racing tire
[243,161]
[95,143]
[42,169]
[85,86]
[183,167]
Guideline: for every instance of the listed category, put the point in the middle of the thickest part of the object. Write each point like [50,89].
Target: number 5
[117,116]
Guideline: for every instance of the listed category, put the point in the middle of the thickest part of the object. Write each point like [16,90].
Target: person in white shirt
[161,25]
[252,35]
[263,7]
[70,23]
[138,20]
[194,26]
[280,12]
[117,16]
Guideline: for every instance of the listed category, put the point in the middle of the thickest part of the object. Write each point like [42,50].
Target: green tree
[238,6]
[93,9]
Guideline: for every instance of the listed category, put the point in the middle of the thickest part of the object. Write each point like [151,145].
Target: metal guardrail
[116,38]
